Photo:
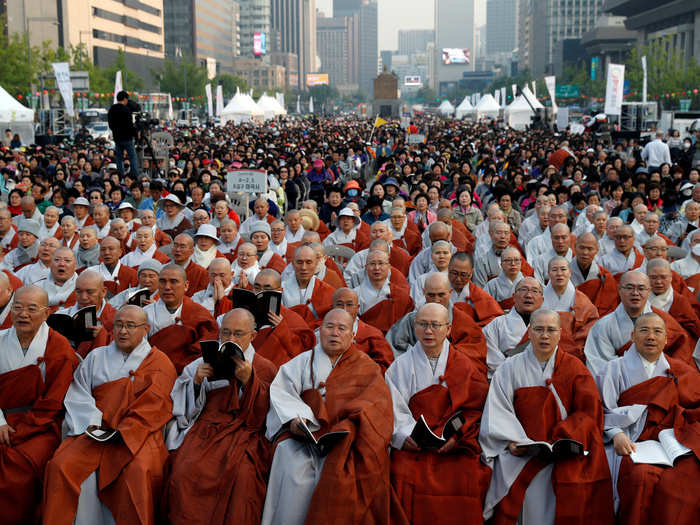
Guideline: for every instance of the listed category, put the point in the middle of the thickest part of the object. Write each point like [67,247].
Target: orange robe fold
[483,309]
[127,277]
[321,300]
[576,323]
[387,312]
[602,291]
[373,343]
[197,277]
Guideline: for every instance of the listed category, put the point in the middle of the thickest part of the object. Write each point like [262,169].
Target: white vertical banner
[514,87]
[170,108]
[117,84]
[497,96]
[644,80]
[219,100]
[65,86]
[311,104]
[551,83]
[298,104]
[534,88]
[503,96]
[614,89]
[210,103]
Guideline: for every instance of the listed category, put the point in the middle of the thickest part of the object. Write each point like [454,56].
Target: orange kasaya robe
[280,343]
[333,280]
[582,485]
[15,282]
[651,494]
[104,337]
[400,260]
[322,230]
[373,343]
[387,312]
[33,406]
[130,469]
[467,337]
[576,323]
[469,239]
[321,300]
[197,277]
[682,311]
[180,342]
[445,488]
[602,291]
[483,309]
[127,277]
[354,484]
[219,474]
[411,241]
[275,263]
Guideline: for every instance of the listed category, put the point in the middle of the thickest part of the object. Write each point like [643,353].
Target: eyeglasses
[129,327]
[541,330]
[32,309]
[340,327]
[433,325]
[455,273]
[535,291]
[237,334]
[632,288]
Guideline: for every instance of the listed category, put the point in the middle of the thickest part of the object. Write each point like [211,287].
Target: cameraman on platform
[121,123]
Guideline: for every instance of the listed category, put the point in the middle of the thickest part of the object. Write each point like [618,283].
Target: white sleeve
[81,409]
[403,418]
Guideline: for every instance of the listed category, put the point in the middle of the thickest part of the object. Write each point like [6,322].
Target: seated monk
[325,264]
[27,250]
[592,279]
[303,292]
[148,218]
[69,232]
[206,241]
[625,256]
[434,380]
[35,371]
[222,460]
[8,232]
[230,239]
[609,337]
[466,295]
[398,258]
[147,278]
[176,323]
[437,231]
[665,298]
[488,265]
[90,290]
[145,249]
[689,266]
[365,337]
[403,236]
[561,247]
[502,287]
[396,277]
[261,214]
[279,243]
[465,335]
[183,249]
[60,283]
[287,334]
[120,231]
[245,267]
[334,387]
[88,253]
[644,392]
[507,335]
[260,236]
[7,294]
[381,303]
[440,260]
[32,273]
[122,387]
[462,239]
[544,394]
[220,284]
[348,232]
[117,276]
[576,311]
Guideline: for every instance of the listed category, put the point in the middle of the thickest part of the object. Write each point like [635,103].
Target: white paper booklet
[661,452]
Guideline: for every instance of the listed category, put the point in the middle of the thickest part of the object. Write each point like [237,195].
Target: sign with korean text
[246,181]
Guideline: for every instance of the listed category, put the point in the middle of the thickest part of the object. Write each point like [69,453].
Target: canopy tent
[241,108]
[446,108]
[270,107]
[487,107]
[16,117]
[465,108]
[518,113]
[536,104]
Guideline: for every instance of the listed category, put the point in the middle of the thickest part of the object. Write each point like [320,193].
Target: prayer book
[138,297]
[560,449]
[662,452]
[75,327]
[100,434]
[323,444]
[257,304]
[220,357]
[427,439]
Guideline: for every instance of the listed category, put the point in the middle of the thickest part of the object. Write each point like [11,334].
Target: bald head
[437,289]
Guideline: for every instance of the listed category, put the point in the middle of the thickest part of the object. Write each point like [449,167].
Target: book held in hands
[560,449]
[77,327]
[427,439]
[259,304]
[100,434]
[665,451]
[139,297]
[220,357]
[323,444]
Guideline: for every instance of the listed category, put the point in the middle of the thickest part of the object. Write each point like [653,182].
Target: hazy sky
[395,15]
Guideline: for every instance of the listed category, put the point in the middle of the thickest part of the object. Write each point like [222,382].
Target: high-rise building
[414,40]
[255,18]
[192,31]
[294,26]
[337,40]
[501,26]
[549,25]
[367,12]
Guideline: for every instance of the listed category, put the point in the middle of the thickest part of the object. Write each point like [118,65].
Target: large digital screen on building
[453,55]
[316,79]
[259,44]
[412,80]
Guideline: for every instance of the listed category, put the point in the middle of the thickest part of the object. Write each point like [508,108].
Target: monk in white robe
[690,264]
[147,278]
[625,256]
[220,284]
[543,242]
[60,283]
[502,287]
[146,248]
[489,266]
[32,273]
[438,231]
[561,247]
[440,255]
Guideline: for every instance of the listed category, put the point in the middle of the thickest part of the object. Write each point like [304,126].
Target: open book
[257,304]
[139,296]
[75,327]
[220,357]
[560,449]
[324,443]
[426,438]
[100,434]
[662,452]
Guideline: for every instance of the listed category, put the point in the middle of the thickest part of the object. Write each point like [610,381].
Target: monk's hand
[243,280]
[274,318]
[295,427]
[94,330]
[622,444]
[203,370]
[5,432]
[219,290]
[514,450]
[144,302]
[410,445]
[243,370]
[447,447]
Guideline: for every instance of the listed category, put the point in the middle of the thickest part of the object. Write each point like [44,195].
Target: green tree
[102,79]
[229,84]
[323,94]
[182,78]
[16,75]
[426,95]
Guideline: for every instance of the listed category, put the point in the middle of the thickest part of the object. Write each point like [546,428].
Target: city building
[293,25]
[255,18]
[290,62]
[368,54]
[608,42]
[338,49]
[414,40]
[386,103]
[206,30]
[501,27]
[260,75]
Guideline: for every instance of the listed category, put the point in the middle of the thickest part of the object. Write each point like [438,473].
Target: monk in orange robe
[197,277]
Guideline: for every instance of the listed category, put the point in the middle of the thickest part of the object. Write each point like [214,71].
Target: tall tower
[367,13]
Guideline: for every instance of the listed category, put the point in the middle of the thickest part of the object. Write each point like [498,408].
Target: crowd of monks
[541,336]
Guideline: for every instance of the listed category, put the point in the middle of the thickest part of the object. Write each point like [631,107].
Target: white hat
[112,166]
[150,264]
[29,226]
[81,201]
[207,230]
[348,212]
[126,206]
[261,226]
[171,197]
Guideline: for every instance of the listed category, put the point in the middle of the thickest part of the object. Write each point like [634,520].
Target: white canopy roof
[465,108]
[518,113]
[241,108]
[446,108]
[487,107]
[12,111]
[531,98]
[270,107]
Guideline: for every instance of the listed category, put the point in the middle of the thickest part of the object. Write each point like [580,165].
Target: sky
[395,15]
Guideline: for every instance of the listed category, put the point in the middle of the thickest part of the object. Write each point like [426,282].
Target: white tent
[487,107]
[241,108]
[465,108]
[16,117]
[446,108]
[532,98]
[518,113]
[270,107]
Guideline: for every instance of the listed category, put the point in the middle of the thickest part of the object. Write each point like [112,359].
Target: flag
[210,103]
[311,104]
[65,86]
[219,100]
[117,84]
[380,122]
[299,104]
[170,107]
